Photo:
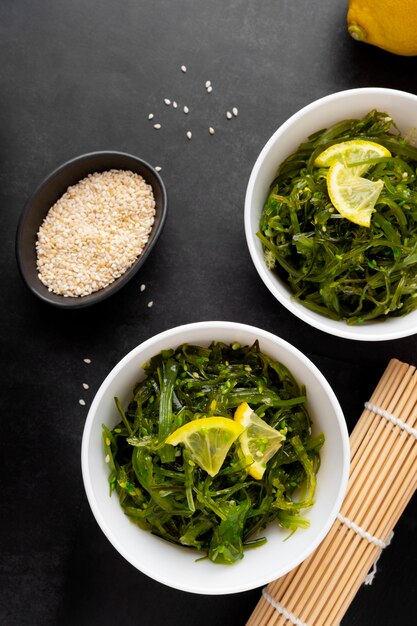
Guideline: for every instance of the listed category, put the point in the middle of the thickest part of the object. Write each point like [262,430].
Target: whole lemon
[388,24]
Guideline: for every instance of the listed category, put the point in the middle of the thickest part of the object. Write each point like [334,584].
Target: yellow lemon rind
[208,440]
[361,213]
[351,151]
[203,423]
[248,418]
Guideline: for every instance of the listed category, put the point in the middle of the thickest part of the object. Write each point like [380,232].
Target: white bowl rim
[340,328]
[157,574]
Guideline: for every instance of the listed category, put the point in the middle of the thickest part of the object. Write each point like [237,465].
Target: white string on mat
[281,609]
[363,533]
[369,578]
[390,417]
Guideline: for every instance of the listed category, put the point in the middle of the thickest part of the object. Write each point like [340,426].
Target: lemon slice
[353,197]
[208,439]
[259,441]
[353,151]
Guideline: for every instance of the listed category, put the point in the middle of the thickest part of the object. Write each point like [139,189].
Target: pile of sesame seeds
[94,232]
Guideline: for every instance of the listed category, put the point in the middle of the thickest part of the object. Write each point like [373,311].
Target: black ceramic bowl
[51,189]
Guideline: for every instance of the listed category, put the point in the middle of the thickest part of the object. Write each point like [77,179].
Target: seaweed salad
[332,265]
[199,396]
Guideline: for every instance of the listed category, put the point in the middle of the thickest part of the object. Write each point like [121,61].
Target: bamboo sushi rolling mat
[382,480]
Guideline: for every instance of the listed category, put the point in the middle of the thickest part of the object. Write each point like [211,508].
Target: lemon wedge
[259,441]
[349,152]
[353,197]
[208,440]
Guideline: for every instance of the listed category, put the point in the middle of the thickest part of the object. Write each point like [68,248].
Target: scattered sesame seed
[158,168]
[229,115]
[208,84]
[107,458]
[175,104]
[183,68]
[186,109]
[142,287]
[235,111]
[150,304]
[87,361]
[82,402]
[167,101]
[209,89]
[211,130]
[86,386]
[150,116]
[189,134]
[157,126]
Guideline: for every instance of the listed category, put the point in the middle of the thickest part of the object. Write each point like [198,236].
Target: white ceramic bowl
[176,566]
[354,103]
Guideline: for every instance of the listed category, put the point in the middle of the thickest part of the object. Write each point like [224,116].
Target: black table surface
[83,75]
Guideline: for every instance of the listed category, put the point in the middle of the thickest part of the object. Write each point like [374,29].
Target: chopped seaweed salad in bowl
[223,437]
[346,241]
[215,444]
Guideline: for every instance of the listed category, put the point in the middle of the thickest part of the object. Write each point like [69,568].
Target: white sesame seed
[158,168]
[209,89]
[167,101]
[211,130]
[183,68]
[229,115]
[150,304]
[142,287]
[150,116]
[189,134]
[157,126]
[94,233]
[82,402]
[86,386]
[175,104]
[88,361]
[107,458]
[235,111]
[186,109]
[208,84]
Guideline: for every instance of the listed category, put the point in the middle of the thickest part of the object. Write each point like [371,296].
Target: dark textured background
[82,75]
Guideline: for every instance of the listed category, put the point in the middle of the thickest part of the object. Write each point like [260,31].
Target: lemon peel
[259,441]
[208,440]
[351,152]
[352,196]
